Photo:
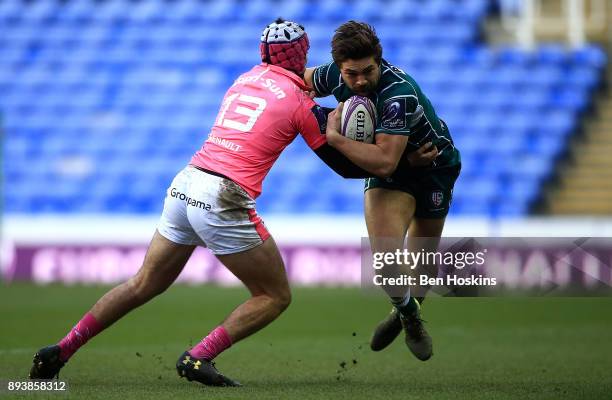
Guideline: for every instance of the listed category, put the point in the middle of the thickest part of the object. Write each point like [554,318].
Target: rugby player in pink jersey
[211,203]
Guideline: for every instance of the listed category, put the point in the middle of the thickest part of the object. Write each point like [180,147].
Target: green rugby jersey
[401,106]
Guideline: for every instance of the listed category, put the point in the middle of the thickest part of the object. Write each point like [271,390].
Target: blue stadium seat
[512,56]
[590,55]
[582,78]
[570,100]
[509,209]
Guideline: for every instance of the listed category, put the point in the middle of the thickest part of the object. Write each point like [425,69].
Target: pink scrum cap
[285,43]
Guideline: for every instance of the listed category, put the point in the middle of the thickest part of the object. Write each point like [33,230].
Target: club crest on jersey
[321,117]
[394,114]
[437,198]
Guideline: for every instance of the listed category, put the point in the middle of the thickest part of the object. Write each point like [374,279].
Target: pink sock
[212,345]
[84,330]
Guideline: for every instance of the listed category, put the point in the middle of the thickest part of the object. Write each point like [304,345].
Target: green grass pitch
[486,348]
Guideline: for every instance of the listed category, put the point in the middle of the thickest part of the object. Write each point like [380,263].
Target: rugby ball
[358,119]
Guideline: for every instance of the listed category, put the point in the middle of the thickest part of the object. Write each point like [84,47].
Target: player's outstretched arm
[312,127]
[379,159]
[339,163]
[308,77]
[316,91]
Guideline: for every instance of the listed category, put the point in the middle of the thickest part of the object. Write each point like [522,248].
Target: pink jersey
[260,115]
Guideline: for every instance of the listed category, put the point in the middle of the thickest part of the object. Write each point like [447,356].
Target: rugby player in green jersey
[401,198]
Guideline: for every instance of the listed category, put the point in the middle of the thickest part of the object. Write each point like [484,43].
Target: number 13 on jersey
[234,117]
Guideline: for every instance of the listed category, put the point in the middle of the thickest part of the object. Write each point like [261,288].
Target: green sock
[408,306]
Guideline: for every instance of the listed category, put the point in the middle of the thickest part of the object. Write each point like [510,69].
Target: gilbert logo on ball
[358,119]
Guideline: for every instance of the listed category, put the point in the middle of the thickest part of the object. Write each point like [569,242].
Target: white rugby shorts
[210,211]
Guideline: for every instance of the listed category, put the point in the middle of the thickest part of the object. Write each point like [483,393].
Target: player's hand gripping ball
[358,119]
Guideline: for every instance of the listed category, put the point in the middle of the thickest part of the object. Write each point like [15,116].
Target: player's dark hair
[355,40]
